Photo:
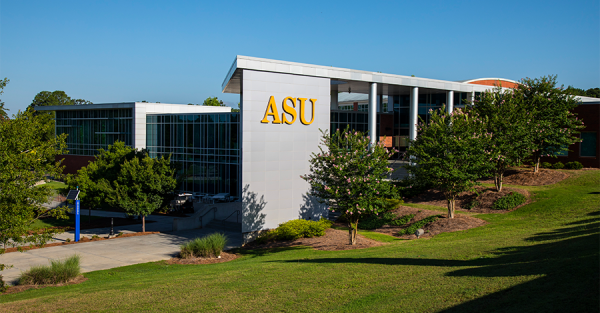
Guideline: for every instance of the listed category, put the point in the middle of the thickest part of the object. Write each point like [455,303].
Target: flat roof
[149,107]
[346,79]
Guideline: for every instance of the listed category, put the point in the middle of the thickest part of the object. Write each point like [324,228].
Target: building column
[334,97]
[472,97]
[414,113]
[373,113]
[450,101]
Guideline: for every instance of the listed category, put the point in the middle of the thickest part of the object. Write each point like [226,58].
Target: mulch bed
[526,177]
[20,288]
[333,240]
[81,240]
[224,258]
[442,225]
[486,198]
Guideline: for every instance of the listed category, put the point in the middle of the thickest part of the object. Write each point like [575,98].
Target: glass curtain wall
[358,121]
[89,130]
[204,147]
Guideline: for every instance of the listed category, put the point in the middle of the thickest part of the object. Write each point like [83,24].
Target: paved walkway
[105,254]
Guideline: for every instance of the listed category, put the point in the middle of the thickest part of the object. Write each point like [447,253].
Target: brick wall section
[73,163]
[590,114]
[355,107]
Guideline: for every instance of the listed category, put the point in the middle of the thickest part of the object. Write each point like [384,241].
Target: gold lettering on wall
[302,119]
[289,110]
[271,111]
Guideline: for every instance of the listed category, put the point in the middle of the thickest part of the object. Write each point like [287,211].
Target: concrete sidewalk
[105,254]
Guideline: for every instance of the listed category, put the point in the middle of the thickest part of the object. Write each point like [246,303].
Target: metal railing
[214,209]
[237,218]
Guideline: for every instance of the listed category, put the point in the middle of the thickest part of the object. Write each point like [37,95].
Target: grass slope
[542,257]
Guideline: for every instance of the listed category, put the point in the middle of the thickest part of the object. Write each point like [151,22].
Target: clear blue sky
[180,51]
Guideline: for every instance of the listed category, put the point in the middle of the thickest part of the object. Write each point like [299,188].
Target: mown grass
[542,257]
[70,221]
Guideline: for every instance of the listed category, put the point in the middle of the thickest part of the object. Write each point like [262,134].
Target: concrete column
[414,113]
[472,97]
[334,97]
[373,113]
[450,101]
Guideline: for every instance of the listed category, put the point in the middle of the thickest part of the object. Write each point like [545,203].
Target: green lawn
[50,222]
[543,257]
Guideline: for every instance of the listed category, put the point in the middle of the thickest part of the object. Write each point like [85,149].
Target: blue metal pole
[77,222]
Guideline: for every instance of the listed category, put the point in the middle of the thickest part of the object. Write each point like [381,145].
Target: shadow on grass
[258,252]
[568,267]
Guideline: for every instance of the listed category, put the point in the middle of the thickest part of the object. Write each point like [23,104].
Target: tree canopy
[213,102]
[450,153]
[348,176]
[3,114]
[26,159]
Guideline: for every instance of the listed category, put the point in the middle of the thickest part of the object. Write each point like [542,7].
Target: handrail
[237,218]
[214,209]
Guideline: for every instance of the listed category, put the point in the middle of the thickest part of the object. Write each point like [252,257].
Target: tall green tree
[450,154]
[143,184]
[552,125]
[3,114]
[213,102]
[125,178]
[25,161]
[506,120]
[349,176]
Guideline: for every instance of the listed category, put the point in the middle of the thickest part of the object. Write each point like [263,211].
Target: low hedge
[574,165]
[558,165]
[57,272]
[509,201]
[296,229]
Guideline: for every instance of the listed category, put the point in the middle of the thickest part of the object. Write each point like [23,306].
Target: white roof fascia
[151,108]
[268,65]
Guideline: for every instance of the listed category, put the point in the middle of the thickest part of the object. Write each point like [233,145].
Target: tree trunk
[352,231]
[536,163]
[498,181]
[143,224]
[451,208]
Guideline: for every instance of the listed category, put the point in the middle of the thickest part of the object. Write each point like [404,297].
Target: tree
[552,126]
[449,154]
[125,178]
[505,119]
[213,102]
[143,184]
[3,114]
[23,164]
[349,176]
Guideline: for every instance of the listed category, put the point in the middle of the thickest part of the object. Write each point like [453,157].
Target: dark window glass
[588,144]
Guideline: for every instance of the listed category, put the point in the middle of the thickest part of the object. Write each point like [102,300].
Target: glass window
[588,144]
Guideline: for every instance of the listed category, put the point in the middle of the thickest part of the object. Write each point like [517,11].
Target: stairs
[224,225]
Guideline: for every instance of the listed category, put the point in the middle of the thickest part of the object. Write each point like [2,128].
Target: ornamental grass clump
[204,247]
[57,272]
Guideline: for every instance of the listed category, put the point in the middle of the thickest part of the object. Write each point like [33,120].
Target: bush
[205,247]
[403,220]
[574,165]
[296,229]
[558,165]
[3,286]
[546,165]
[472,204]
[509,201]
[57,272]
[420,224]
[374,221]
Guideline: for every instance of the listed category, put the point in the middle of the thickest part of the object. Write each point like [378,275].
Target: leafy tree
[213,102]
[504,117]
[348,176]
[47,98]
[552,126]
[449,153]
[126,178]
[592,92]
[3,114]
[143,184]
[24,163]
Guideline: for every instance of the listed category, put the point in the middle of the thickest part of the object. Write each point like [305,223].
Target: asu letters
[289,111]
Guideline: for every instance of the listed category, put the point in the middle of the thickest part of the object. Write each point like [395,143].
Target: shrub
[205,247]
[574,165]
[558,165]
[420,224]
[472,204]
[296,229]
[3,286]
[509,201]
[403,220]
[546,165]
[374,221]
[57,272]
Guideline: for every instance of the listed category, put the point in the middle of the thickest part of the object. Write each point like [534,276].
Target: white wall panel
[275,155]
